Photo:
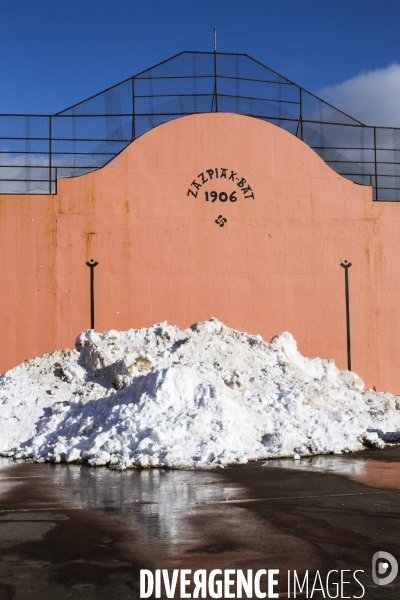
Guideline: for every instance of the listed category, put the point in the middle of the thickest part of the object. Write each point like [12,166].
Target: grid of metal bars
[36,150]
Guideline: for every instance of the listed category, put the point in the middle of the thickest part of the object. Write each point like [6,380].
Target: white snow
[195,398]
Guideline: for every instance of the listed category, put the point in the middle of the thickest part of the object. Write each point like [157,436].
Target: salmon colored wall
[274,266]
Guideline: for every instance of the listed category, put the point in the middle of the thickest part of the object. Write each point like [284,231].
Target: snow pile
[194,398]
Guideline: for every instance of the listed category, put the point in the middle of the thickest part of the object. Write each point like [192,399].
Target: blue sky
[54,53]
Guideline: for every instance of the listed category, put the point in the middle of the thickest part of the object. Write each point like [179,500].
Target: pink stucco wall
[274,266]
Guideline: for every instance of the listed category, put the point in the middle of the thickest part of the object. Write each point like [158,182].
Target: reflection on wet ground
[157,502]
[171,512]
[70,527]
[374,473]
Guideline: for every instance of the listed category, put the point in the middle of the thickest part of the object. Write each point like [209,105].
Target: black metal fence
[36,150]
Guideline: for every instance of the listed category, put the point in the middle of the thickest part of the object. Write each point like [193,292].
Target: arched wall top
[174,154]
[37,150]
[263,146]
[148,218]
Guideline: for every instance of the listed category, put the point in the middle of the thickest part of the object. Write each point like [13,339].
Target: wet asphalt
[82,533]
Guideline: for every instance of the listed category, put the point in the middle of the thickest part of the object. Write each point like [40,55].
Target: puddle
[194,519]
[174,517]
[7,482]
[374,473]
[160,503]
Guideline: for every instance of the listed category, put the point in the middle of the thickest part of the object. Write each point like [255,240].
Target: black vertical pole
[376,167]
[133,110]
[301,115]
[92,264]
[50,156]
[215,70]
[346,265]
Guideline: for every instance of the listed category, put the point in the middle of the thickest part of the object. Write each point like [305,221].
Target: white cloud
[372,97]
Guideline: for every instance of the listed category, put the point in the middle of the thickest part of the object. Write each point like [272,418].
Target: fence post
[50,155]
[133,110]
[346,265]
[301,115]
[92,264]
[376,167]
[215,70]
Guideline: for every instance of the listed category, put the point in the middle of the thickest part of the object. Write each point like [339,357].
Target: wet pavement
[75,532]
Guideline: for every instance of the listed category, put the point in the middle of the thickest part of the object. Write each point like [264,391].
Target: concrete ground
[75,532]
